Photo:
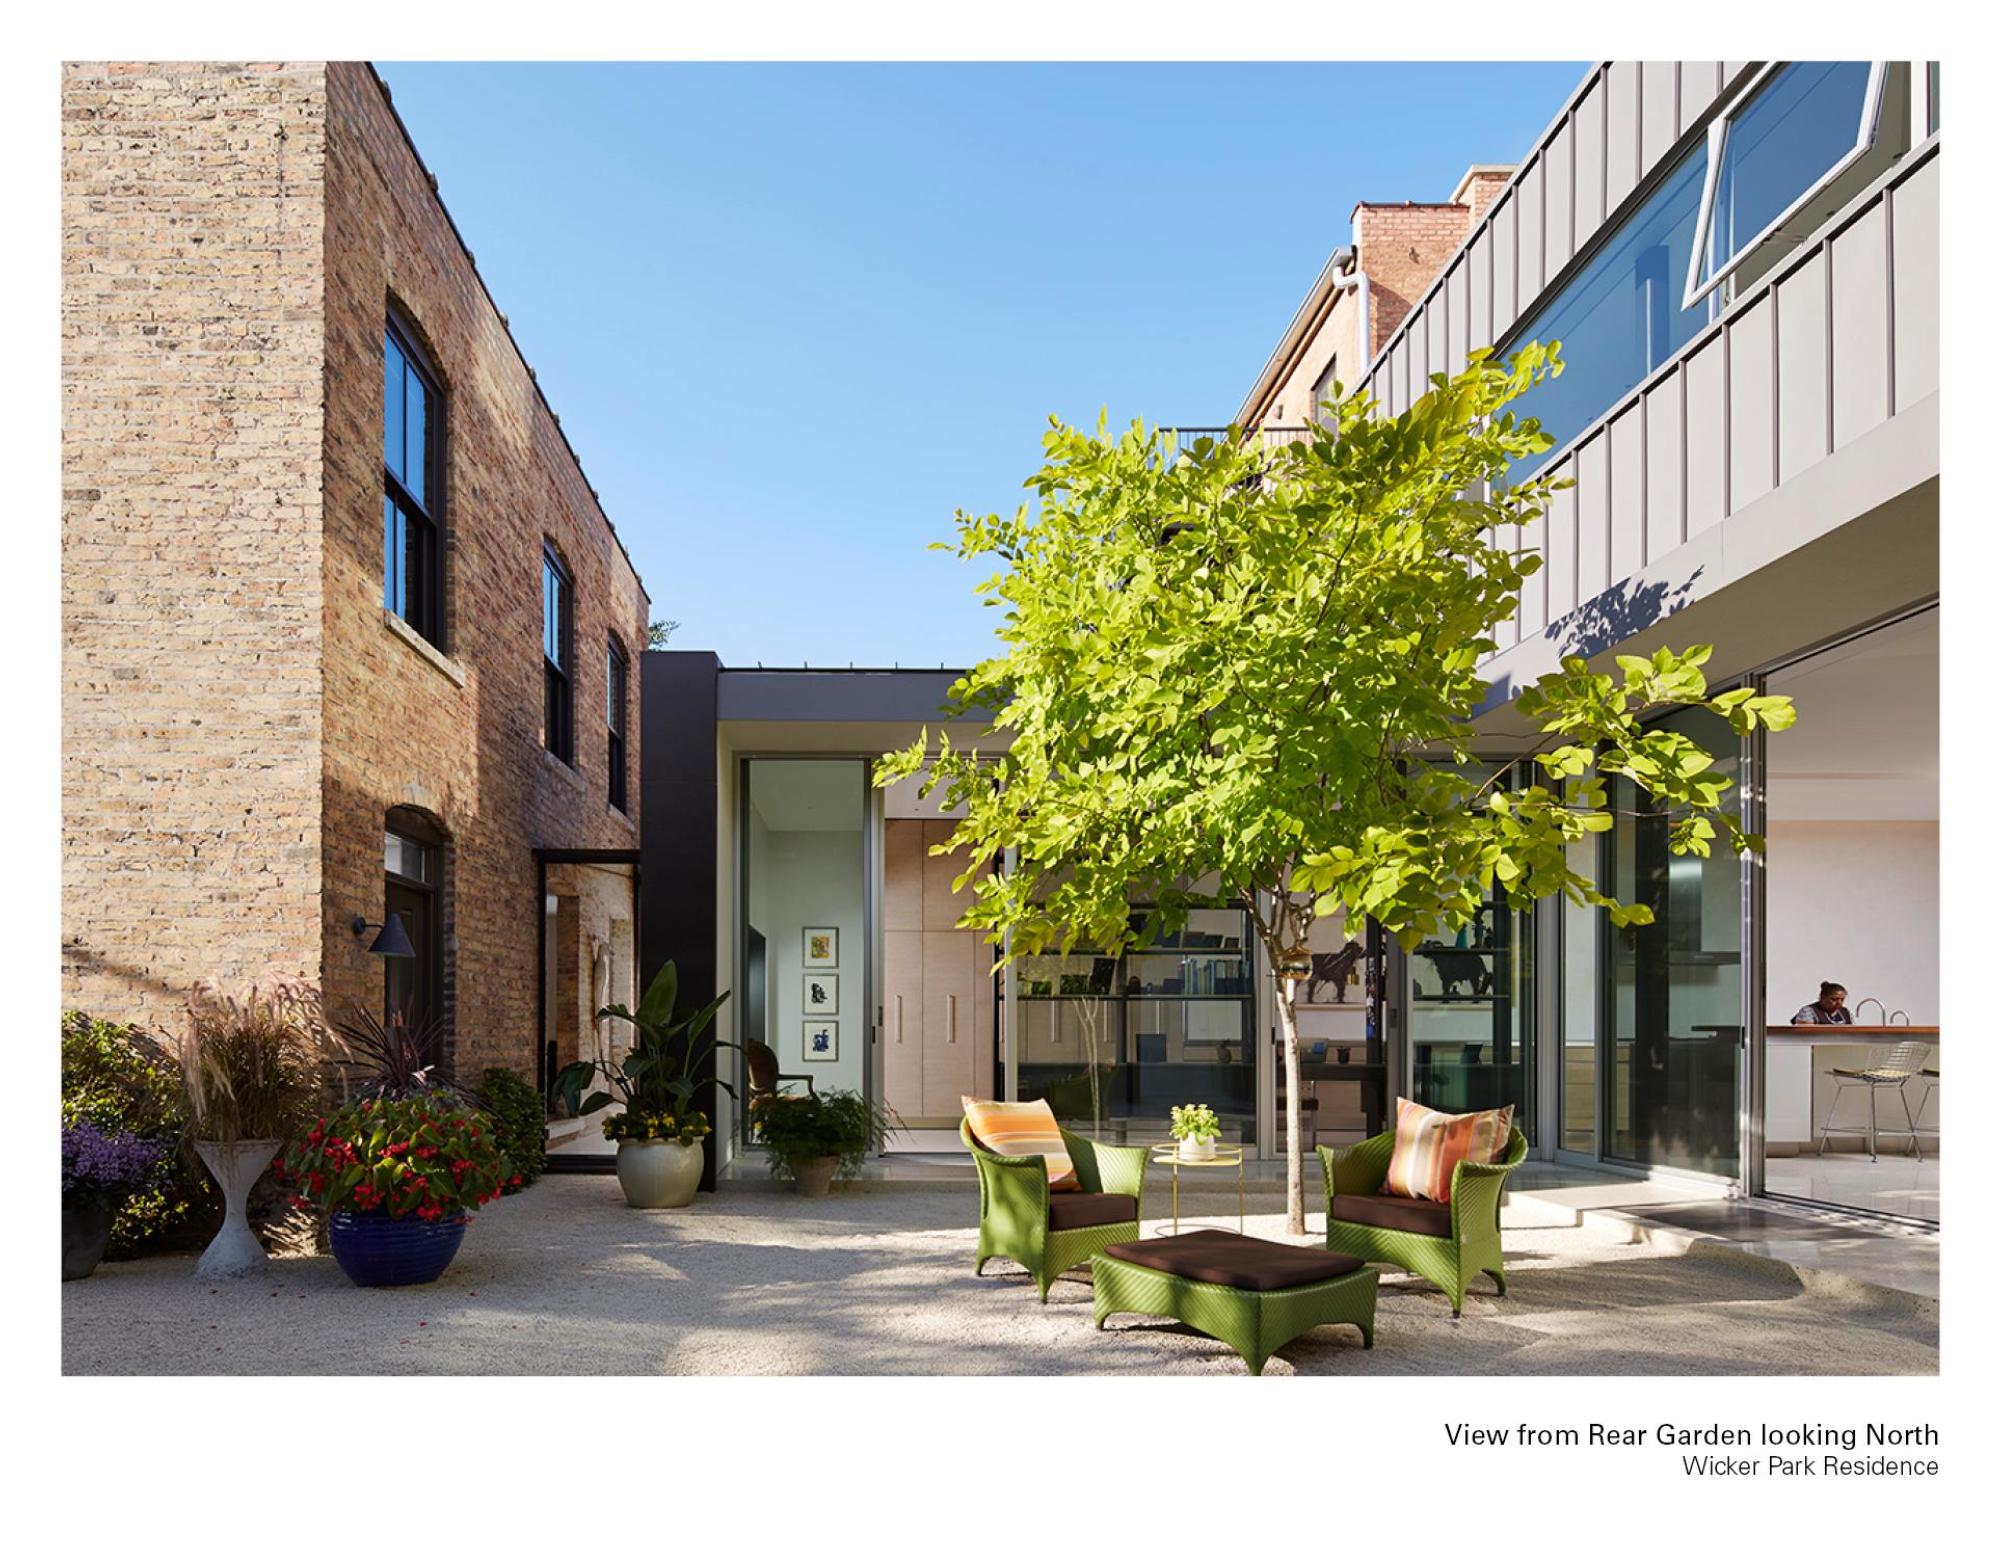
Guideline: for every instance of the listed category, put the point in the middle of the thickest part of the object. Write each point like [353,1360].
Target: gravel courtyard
[565,1279]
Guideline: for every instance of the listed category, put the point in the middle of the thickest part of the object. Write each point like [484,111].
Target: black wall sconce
[393,940]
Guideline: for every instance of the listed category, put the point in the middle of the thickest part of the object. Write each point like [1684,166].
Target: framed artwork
[822,1040]
[822,992]
[822,949]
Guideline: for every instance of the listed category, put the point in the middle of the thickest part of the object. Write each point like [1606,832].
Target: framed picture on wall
[822,992]
[821,951]
[822,1040]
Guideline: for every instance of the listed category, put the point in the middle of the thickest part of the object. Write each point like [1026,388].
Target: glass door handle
[951,1016]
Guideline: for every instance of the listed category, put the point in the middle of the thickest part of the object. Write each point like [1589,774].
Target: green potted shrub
[398,1179]
[251,1067]
[659,1132]
[119,1078]
[1196,1127]
[817,1137]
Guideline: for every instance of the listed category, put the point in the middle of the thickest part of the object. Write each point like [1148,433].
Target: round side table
[1227,1156]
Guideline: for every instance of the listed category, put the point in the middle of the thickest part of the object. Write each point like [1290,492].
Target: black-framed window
[413,881]
[558,659]
[412,486]
[615,672]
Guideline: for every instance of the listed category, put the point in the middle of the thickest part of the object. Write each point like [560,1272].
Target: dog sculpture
[1333,968]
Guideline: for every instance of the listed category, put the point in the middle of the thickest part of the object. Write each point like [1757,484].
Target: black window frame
[617,695]
[424,592]
[558,675]
[422,897]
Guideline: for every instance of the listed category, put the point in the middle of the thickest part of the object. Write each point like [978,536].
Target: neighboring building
[346,633]
[1361,298]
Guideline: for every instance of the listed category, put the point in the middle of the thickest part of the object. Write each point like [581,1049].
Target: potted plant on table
[660,1130]
[1197,1127]
[398,1178]
[99,1170]
[815,1138]
[251,1066]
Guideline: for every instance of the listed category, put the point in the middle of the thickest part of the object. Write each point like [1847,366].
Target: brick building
[345,630]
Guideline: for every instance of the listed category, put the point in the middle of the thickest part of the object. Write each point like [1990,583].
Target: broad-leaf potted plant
[99,1170]
[817,1138]
[1197,1127]
[660,1130]
[398,1179]
[251,1066]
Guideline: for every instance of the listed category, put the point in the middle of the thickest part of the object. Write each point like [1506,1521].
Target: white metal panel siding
[1558,539]
[1506,302]
[1803,410]
[1659,110]
[1481,281]
[1860,288]
[1528,236]
[1753,413]
[1458,312]
[1589,175]
[1557,198]
[1913,209]
[1700,83]
[1621,132]
[1420,340]
[1663,467]
[1593,515]
[1437,332]
[1705,404]
[1628,492]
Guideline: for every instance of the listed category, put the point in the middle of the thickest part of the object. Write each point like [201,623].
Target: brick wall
[191,382]
[1403,247]
[458,738]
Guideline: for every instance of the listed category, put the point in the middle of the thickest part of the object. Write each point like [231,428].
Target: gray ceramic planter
[86,1234]
[236,1249]
[659,1172]
[814,1177]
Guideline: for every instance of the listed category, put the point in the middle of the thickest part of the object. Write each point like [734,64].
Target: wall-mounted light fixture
[393,940]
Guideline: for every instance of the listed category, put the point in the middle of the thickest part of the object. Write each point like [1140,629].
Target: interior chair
[1050,1232]
[1917,1128]
[1446,1243]
[1904,1061]
[760,1066]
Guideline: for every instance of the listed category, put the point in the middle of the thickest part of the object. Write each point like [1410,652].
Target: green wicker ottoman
[1252,1294]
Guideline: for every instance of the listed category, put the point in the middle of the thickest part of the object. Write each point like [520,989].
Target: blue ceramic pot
[378,1251]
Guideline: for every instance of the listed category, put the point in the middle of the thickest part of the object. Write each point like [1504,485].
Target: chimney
[1478,188]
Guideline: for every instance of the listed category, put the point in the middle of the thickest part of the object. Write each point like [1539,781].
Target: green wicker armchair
[1447,1245]
[1021,1220]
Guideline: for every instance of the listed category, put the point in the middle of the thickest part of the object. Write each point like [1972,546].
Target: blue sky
[794,315]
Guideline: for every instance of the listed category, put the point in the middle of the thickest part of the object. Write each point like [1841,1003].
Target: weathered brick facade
[240,712]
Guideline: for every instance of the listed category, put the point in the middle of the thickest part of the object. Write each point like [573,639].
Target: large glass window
[1673,1029]
[1796,129]
[1621,317]
[558,688]
[412,574]
[412,864]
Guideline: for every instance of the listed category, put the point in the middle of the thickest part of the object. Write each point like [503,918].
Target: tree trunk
[1295,1186]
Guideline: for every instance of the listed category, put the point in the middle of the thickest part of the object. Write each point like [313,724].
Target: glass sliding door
[1581,992]
[1673,1026]
[805,917]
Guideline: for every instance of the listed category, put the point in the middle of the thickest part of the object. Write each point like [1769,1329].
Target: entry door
[938,990]
[411,985]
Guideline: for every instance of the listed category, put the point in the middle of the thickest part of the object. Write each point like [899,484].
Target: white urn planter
[659,1172]
[236,1249]
[1195,1149]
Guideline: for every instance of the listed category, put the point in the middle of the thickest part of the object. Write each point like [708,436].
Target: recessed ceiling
[1865,747]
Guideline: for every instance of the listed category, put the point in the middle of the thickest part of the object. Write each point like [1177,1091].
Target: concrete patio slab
[565,1279]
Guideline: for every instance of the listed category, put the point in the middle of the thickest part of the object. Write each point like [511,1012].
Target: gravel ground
[565,1279]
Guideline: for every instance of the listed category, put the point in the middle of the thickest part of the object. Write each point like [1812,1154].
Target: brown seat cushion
[1408,1214]
[1090,1209]
[1229,1260]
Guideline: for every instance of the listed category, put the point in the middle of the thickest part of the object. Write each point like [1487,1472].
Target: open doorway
[1852,905]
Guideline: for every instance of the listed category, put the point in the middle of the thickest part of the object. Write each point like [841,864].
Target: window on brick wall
[615,673]
[558,659]
[1325,389]
[412,487]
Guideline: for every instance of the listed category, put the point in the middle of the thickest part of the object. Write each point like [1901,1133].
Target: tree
[660,634]
[1238,672]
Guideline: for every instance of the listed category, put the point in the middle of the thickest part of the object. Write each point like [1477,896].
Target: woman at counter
[1829,1008]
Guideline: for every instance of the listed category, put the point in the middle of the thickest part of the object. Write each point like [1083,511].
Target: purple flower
[106,1164]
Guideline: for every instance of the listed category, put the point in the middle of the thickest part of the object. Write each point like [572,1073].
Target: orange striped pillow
[1429,1145]
[1013,1130]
